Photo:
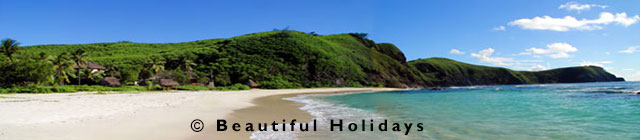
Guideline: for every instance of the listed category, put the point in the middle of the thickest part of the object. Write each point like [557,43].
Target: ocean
[607,110]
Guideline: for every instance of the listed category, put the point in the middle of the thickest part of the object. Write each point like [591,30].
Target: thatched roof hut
[252,84]
[160,75]
[90,65]
[168,83]
[110,81]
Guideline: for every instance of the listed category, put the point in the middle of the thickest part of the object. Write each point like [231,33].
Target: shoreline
[156,115]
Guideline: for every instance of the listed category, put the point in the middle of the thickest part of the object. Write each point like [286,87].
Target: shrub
[129,74]
[237,86]
[2,90]
[149,85]
[64,89]
[129,88]
[277,82]
[192,87]
[26,89]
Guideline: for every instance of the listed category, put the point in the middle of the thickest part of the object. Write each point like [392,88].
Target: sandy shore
[156,115]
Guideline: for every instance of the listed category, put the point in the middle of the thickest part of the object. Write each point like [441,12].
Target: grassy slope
[449,72]
[289,58]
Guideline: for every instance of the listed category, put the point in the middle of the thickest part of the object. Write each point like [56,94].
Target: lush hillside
[278,59]
[447,72]
[290,59]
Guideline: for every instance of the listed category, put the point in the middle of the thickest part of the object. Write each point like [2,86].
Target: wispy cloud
[530,66]
[568,23]
[595,63]
[485,55]
[553,50]
[537,67]
[456,51]
[499,28]
[575,6]
[631,49]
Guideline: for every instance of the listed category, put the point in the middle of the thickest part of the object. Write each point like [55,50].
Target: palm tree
[111,69]
[91,75]
[62,64]
[156,65]
[43,56]
[9,47]
[187,65]
[80,59]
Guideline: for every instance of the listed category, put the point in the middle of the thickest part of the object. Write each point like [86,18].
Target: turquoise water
[551,111]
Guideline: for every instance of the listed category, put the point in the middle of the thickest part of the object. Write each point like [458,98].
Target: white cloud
[538,67]
[456,51]
[553,50]
[571,23]
[628,69]
[575,6]
[529,65]
[499,28]
[595,63]
[485,56]
[631,49]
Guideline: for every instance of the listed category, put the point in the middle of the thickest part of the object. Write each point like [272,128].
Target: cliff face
[290,59]
[447,72]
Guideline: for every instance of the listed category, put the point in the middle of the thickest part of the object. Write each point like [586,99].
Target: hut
[193,78]
[252,84]
[167,83]
[91,66]
[110,81]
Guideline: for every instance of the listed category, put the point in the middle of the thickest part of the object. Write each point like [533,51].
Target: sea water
[609,110]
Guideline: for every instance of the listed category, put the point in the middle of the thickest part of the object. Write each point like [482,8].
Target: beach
[147,115]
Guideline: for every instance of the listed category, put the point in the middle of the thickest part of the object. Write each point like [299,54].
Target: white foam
[466,87]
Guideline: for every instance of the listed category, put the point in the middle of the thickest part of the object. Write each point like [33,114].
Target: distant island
[273,60]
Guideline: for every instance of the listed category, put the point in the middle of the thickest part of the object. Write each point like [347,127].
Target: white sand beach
[153,115]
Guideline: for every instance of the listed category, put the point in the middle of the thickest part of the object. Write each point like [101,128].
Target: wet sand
[266,110]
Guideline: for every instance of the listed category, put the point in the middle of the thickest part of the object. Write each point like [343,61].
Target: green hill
[290,59]
[278,59]
[447,72]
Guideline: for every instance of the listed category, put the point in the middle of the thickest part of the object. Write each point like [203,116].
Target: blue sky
[522,35]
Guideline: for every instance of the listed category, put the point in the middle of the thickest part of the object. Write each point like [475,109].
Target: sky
[521,35]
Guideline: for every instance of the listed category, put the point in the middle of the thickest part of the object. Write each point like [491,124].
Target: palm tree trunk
[78,77]
[211,81]
[60,82]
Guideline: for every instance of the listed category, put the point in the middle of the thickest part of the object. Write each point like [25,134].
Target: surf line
[335,125]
